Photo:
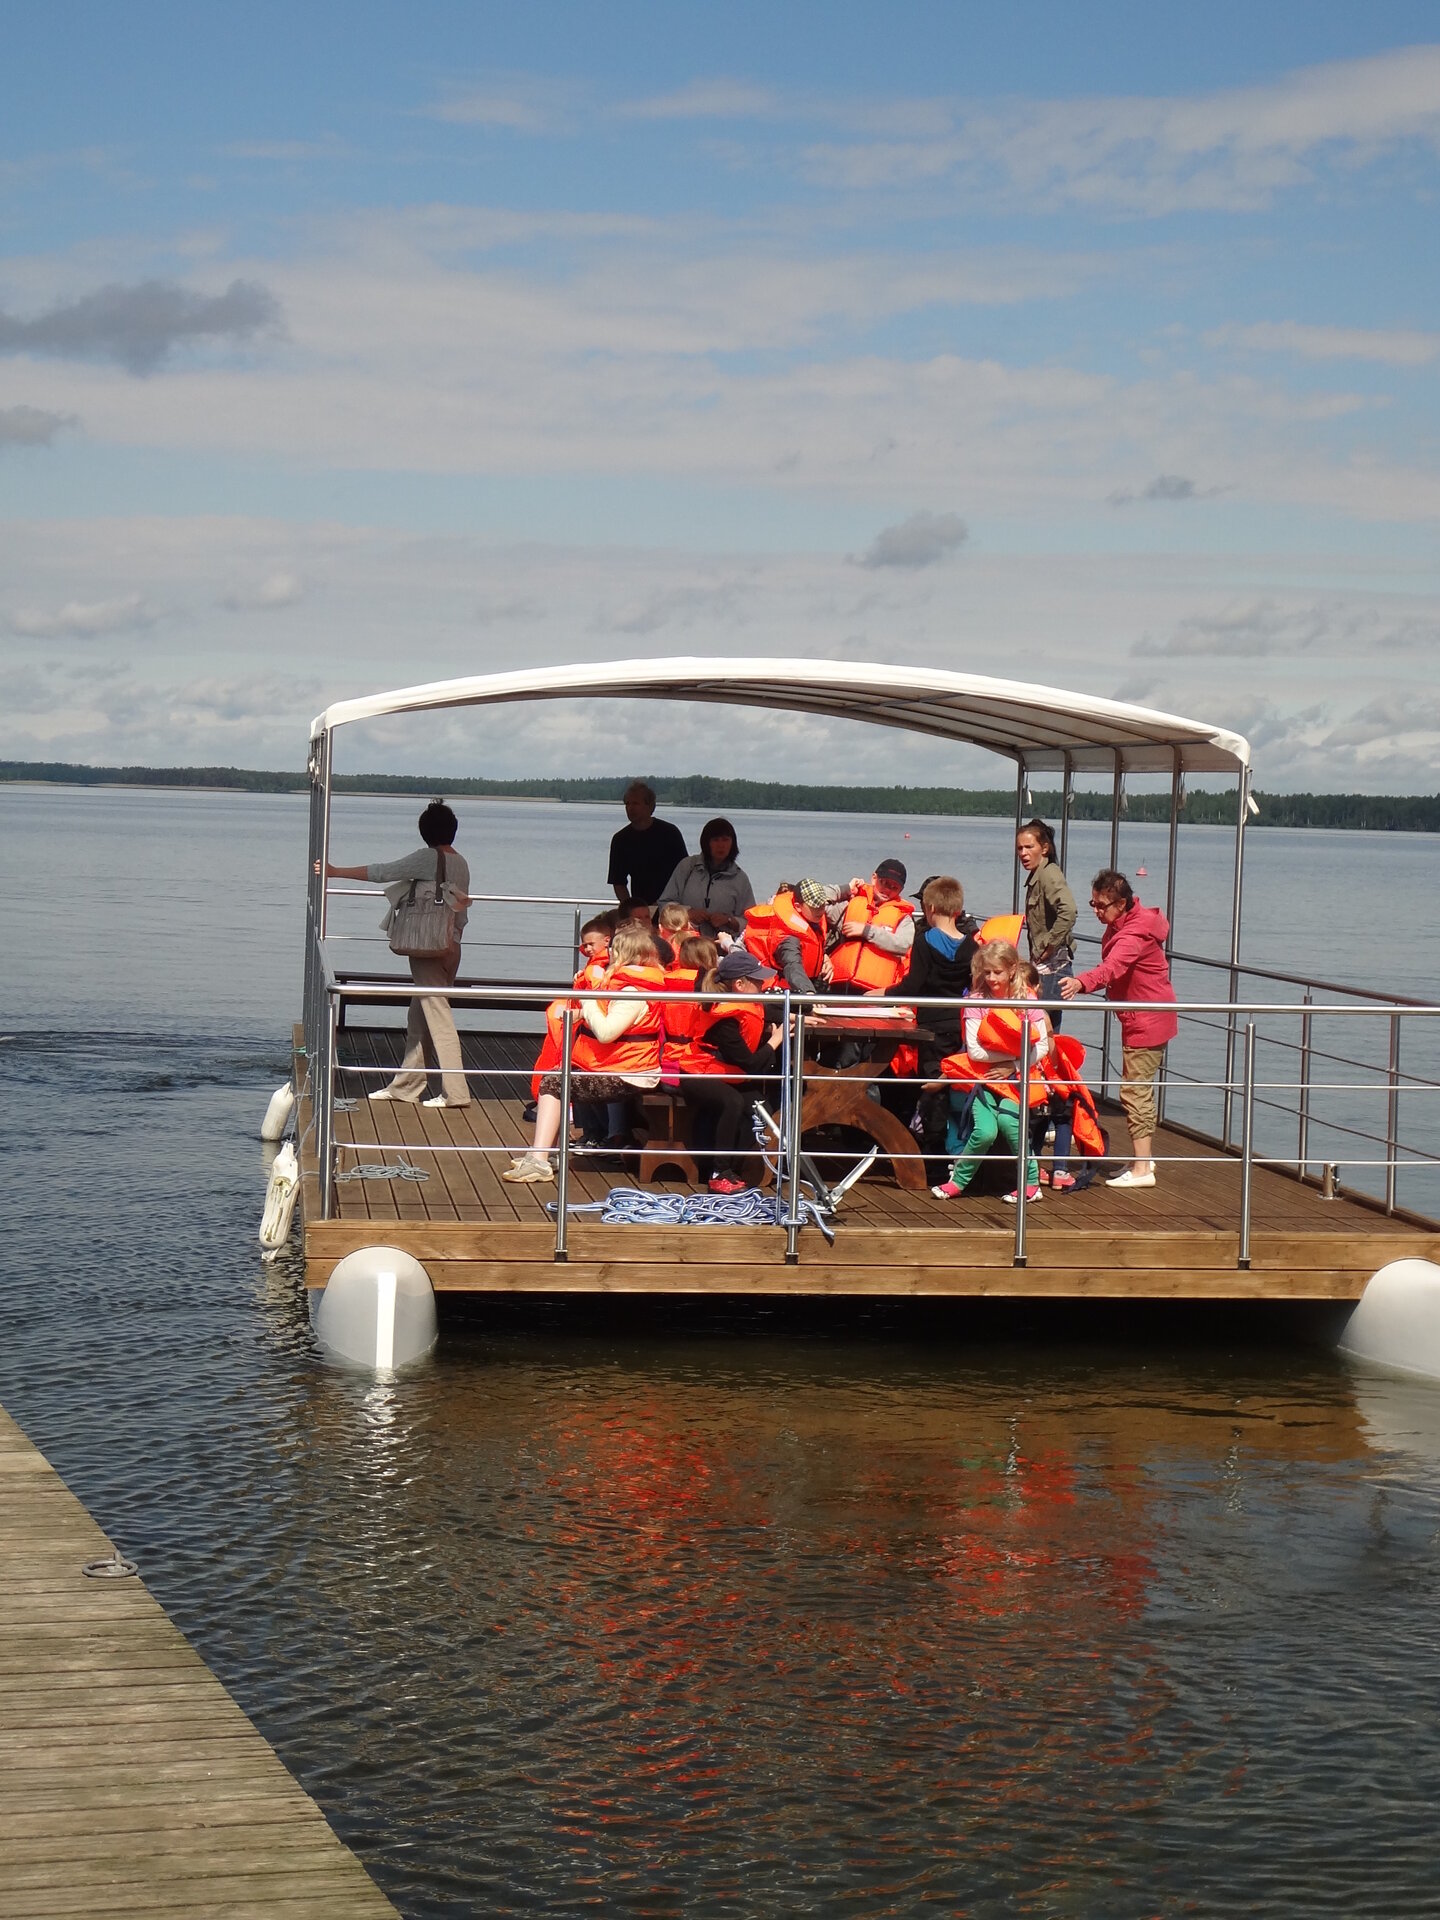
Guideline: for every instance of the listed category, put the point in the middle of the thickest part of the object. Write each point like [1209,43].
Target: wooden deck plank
[130,1781]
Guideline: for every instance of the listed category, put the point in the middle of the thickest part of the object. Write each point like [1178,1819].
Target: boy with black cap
[874,930]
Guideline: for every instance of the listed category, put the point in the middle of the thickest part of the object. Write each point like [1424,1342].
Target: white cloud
[706,100]
[917,542]
[86,620]
[1388,349]
[280,589]
[32,426]
[1232,150]
[510,104]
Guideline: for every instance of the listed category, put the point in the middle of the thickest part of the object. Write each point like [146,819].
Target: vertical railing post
[1067,800]
[1117,796]
[1019,822]
[1247,1149]
[1302,1149]
[1177,782]
[1022,1152]
[793,1133]
[1392,1122]
[575,937]
[562,1170]
[326,1117]
[1242,800]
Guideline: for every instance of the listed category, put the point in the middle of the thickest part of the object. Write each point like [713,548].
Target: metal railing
[1257,1100]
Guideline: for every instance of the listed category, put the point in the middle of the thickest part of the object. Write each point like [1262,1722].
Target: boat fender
[377,1310]
[1397,1323]
[280,1198]
[277,1114]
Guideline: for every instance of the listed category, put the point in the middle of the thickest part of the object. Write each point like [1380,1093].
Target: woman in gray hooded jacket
[710,884]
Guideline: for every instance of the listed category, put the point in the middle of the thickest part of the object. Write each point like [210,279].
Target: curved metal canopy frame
[1038,727]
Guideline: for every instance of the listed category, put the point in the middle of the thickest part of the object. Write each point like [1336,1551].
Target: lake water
[749,1612]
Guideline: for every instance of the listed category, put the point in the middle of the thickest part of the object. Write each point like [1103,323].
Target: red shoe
[726,1183]
[1062,1182]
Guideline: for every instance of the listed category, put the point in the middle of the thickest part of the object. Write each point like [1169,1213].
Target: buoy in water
[1140,873]
[1397,1323]
[377,1310]
[907,836]
[277,1114]
[280,1198]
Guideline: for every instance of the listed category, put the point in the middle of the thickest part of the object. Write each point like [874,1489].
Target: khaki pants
[1139,1066]
[430,1037]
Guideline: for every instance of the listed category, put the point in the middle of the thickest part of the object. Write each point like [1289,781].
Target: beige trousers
[1137,1088]
[430,1037]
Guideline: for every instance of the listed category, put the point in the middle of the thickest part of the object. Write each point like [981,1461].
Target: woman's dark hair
[708,832]
[438,825]
[1113,886]
[1042,833]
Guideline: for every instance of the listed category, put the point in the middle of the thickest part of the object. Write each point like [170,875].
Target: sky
[344,347]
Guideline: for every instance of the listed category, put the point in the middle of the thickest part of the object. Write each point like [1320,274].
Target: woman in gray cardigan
[709,883]
[430,1038]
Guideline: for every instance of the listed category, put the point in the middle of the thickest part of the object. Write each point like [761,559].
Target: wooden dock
[475,1233]
[130,1782]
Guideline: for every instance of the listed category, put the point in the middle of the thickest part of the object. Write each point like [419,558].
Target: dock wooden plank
[130,1781]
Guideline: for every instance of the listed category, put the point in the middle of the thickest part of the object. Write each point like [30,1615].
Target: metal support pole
[1019,822]
[562,1171]
[1176,782]
[1241,815]
[1247,1150]
[792,1132]
[1067,798]
[1302,1148]
[327,1113]
[1392,1122]
[1117,794]
[325,744]
[1022,1152]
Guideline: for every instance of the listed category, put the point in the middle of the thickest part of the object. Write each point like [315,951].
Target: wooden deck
[130,1782]
[473,1232]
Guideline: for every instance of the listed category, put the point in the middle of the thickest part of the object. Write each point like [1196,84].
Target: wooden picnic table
[840,1097]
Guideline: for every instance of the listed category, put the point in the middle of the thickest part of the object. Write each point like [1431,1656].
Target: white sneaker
[1129,1178]
[529,1169]
[440,1100]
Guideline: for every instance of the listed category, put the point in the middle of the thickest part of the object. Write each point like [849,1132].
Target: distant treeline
[1379,812]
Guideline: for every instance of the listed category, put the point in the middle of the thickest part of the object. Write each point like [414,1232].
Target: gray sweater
[727,890]
[395,876]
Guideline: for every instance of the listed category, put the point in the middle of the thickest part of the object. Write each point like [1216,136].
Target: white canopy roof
[1037,726]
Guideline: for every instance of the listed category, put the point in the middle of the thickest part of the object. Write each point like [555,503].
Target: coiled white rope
[630,1207]
[379,1170]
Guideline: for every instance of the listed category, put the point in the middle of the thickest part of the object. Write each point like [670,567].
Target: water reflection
[753,1626]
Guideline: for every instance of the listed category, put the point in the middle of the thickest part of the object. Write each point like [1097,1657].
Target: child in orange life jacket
[673,924]
[1056,1109]
[685,1019]
[594,956]
[987,1092]
[740,1042]
[616,1049]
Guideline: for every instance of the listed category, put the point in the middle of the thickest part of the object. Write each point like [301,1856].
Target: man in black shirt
[645,854]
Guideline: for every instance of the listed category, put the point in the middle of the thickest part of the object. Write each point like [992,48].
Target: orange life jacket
[684,1023]
[638,1048]
[859,962]
[776,920]
[1000,1032]
[751,1012]
[1062,1075]
[552,1046]
[1002,926]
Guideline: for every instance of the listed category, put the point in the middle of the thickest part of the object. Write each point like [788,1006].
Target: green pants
[991,1120]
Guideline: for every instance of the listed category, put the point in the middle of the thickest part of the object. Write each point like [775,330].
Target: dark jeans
[722,1114]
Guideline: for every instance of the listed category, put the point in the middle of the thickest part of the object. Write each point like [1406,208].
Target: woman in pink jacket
[1133,967]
